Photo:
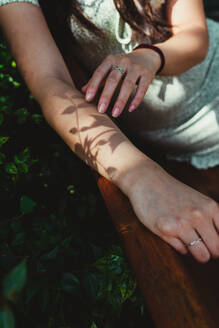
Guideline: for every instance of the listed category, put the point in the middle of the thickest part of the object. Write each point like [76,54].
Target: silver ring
[194,242]
[119,68]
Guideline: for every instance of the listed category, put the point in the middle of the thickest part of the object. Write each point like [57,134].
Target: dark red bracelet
[162,58]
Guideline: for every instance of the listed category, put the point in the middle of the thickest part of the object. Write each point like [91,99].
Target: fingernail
[102,108]
[89,95]
[115,112]
[131,108]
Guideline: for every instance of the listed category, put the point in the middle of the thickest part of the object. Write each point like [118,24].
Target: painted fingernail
[89,95]
[131,108]
[102,108]
[115,112]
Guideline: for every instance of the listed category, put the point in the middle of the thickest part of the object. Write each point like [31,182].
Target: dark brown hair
[140,14]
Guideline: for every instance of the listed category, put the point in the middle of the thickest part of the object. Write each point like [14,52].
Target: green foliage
[3,140]
[75,273]
[27,205]
[6,317]
[14,281]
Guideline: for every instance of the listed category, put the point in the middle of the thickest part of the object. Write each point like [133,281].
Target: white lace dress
[179,114]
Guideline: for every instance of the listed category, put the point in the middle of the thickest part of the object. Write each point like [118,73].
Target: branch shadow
[88,148]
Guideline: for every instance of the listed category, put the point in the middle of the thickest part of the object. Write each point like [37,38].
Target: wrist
[149,56]
[156,53]
[132,177]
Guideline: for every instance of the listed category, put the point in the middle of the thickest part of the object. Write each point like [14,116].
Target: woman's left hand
[140,67]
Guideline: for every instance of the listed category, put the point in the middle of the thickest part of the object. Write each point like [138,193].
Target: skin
[175,212]
[186,48]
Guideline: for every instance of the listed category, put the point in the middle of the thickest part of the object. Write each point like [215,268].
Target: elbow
[202,55]
[203,49]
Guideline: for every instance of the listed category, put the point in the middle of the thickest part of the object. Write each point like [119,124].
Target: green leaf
[3,140]
[70,283]
[23,156]
[13,64]
[6,318]
[3,99]
[26,205]
[37,118]
[93,325]
[14,281]
[11,168]
[23,168]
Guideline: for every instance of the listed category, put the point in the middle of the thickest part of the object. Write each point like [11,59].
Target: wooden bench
[178,291]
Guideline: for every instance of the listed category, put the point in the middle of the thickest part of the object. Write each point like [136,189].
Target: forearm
[184,50]
[91,135]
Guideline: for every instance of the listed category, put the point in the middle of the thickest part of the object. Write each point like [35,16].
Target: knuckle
[99,73]
[121,102]
[129,83]
[138,99]
[197,214]
[104,99]
[184,223]
[92,87]
[145,73]
[110,58]
[112,79]
[166,226]
[125,60]
[212,206]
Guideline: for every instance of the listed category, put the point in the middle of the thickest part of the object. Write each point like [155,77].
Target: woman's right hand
[175,212]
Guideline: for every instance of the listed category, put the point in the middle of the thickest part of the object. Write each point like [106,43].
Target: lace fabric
[4,2]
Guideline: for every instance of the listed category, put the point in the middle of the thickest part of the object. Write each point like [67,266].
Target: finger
[125,92]
[199,250]
[210,237]
[141,90]
[97,78]
[84,88]
[110,86]
[177,244]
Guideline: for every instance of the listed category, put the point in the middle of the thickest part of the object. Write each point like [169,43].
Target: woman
[173,107]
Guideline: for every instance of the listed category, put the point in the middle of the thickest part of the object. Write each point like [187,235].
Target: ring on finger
[119,68]
[194,242]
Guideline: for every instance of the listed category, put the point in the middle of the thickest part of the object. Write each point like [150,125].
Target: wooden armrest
[179,291]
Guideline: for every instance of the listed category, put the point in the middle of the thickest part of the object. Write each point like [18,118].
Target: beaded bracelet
[160,53]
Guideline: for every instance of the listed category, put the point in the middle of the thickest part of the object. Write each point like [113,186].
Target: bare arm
[168,208]
[186,48]
[189,44]
[92,136]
